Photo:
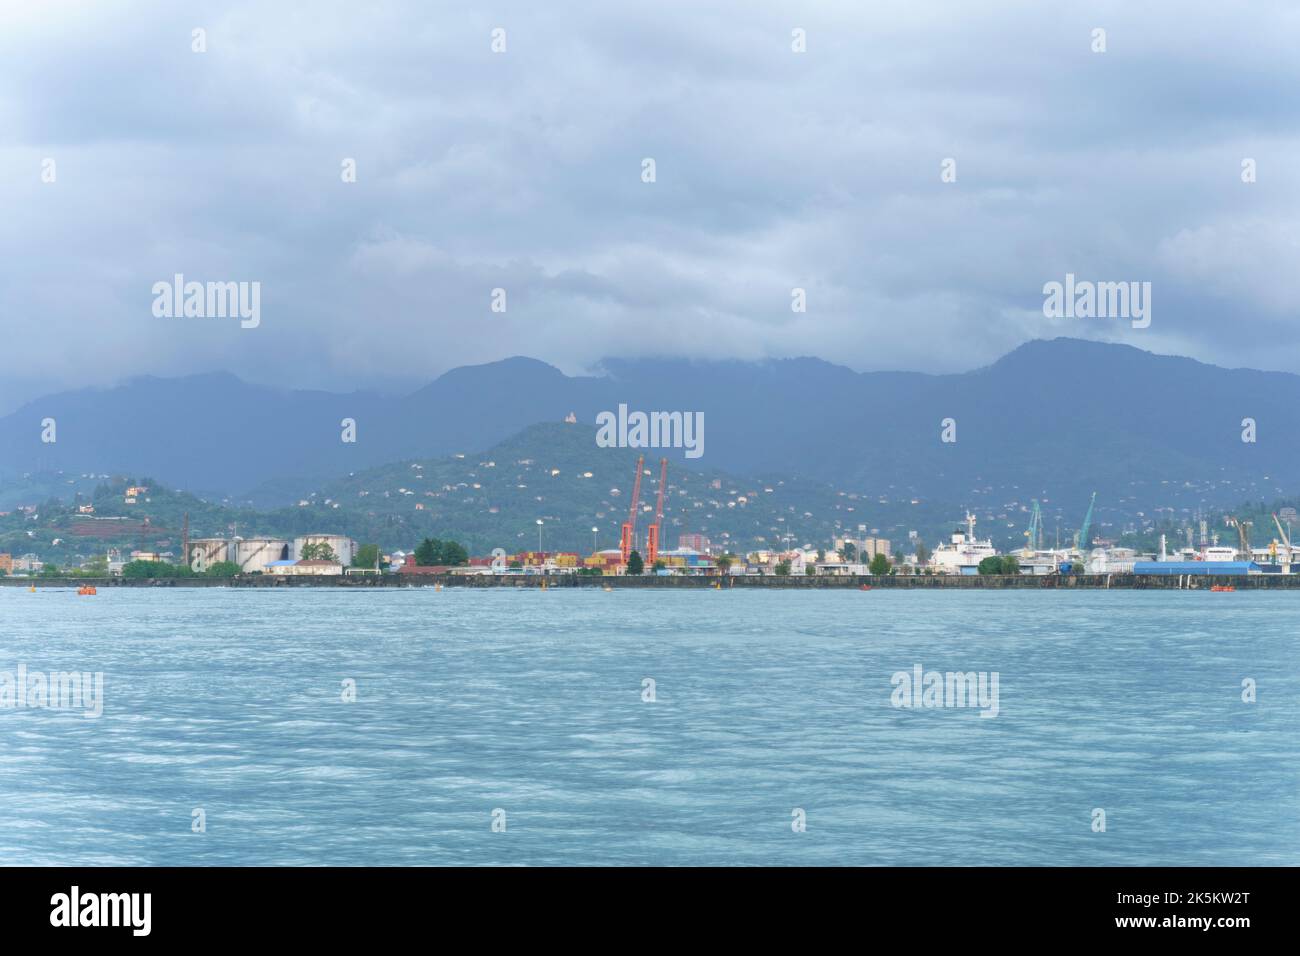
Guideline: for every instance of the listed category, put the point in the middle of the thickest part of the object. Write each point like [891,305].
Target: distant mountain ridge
[1054,419]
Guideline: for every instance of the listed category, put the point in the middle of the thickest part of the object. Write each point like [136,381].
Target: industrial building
[299,568]
[1196,567]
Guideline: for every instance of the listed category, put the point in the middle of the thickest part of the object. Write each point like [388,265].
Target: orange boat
[86,589]
[864,587]
[1223,587]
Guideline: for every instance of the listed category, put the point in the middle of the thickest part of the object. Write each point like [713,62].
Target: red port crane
[628,539]
[652,533]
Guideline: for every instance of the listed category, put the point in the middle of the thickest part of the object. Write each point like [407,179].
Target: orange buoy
[86,589]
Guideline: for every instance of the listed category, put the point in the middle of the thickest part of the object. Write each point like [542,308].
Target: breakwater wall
[760,582]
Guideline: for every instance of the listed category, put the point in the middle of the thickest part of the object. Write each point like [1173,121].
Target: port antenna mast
[653,532]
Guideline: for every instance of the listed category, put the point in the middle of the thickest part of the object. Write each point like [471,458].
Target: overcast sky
[523,170]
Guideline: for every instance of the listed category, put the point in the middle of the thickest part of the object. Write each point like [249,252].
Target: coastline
[1132,582]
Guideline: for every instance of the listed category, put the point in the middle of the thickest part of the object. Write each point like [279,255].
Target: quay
[996,582]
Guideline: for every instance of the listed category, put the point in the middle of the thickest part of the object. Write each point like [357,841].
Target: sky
[523,170]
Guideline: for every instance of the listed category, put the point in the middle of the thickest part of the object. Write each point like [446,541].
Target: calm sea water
[469,701]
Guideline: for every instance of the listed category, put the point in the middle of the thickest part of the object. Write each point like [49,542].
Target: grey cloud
[775,170]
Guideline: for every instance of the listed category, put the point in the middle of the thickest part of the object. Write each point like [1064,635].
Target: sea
[502,726]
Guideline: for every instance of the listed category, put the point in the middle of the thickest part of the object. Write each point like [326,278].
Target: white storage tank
[254,554]
[342,547]
[205,552]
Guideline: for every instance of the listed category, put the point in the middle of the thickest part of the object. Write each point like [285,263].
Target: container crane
[652,533]
[1243,526]
[1034,535]
[1081,542]
[628,539]
[1286,538]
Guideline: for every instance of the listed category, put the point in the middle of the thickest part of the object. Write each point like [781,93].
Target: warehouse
[1196,567]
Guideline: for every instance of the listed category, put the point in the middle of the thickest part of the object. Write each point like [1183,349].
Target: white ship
[963,554]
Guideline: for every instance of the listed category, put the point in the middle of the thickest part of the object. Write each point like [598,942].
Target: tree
[635,564]
[428,552]
[366,557]
[1010,565]
[880,564]
[809,570]
[317,551]
[659,565]
[783,568]
[435,553]
[723,563]
[991,565]
[137,569]
[922,553]
[222,569]
[849,552]
[154,569]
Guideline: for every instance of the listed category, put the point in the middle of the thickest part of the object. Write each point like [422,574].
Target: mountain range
[1054,419]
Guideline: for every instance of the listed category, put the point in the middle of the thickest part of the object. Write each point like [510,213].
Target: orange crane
[652,533]
[628,540]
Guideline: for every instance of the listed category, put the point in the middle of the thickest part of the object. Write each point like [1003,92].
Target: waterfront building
[1196,567]
[694,542]
[300,568]
[867,547]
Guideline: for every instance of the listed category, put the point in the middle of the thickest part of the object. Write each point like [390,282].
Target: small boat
[87,589]
[606,587]
[864,587]
[1223,587]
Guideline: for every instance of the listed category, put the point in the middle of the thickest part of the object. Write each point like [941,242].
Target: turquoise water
[531,702]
